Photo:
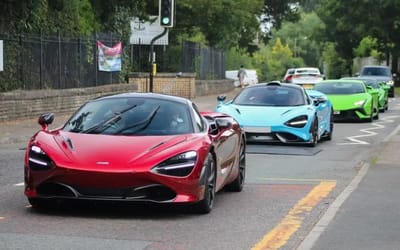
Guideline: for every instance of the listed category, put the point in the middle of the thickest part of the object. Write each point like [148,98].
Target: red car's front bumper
[63,183]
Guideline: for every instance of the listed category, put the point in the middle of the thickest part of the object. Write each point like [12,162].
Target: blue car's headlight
[38,159]
[297,122]
[179,165]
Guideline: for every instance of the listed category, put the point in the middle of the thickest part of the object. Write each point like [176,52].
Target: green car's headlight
[359,103]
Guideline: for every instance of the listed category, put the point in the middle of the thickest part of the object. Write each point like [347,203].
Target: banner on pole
[109,57]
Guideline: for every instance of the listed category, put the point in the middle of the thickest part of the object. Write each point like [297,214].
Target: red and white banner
[109,57]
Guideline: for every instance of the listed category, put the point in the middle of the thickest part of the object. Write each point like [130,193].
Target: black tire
[39,203]
[376,117]
[237,184]
[34,202]
[328,137]
[371,118]
[206,204]
[314,134]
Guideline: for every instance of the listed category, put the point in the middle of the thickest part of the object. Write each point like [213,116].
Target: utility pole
[152,58]
[166,15]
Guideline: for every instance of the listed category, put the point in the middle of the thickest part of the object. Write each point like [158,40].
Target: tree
[336,65]
[272,62]
[347,26]
[67,17]
[224,24]
[275,12]
[303,38]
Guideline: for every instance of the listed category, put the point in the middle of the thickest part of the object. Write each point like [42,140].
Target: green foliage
[224,24]
[367,44]
[336,65]
[368,47]
[272,62]
[236,57]
[302,38]
[347,25]
[67,17]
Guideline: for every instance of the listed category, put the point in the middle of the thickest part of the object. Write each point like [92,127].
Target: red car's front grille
[155,192]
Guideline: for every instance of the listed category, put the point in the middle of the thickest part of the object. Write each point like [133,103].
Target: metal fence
[38,62]
[55,62]
[207,62]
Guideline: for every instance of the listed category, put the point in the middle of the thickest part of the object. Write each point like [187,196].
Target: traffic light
[166,13]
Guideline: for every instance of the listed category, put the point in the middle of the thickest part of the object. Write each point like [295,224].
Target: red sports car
[139,147]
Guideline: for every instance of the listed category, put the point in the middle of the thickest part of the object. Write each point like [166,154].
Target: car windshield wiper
[145,122]
[104,124]
[77,122]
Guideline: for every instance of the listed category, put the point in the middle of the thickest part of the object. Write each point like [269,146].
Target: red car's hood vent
[94,151]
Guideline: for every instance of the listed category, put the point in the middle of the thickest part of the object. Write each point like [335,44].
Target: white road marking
[332,210]
[367,132]
[19,184]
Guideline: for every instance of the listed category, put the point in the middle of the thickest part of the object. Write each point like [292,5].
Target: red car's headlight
[179,165]
[38,159]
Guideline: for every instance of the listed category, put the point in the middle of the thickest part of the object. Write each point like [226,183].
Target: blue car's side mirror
[221,98]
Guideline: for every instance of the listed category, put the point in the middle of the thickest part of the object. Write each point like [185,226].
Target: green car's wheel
[376,117]
[371,116]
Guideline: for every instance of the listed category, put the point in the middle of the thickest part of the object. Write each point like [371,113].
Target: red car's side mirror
[46,119]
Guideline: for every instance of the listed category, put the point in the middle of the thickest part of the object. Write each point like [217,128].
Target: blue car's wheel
[328,135]
[314,134]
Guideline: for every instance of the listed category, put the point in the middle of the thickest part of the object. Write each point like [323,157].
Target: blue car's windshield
[271,96]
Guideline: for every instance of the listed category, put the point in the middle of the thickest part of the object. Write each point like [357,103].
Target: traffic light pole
[152,61]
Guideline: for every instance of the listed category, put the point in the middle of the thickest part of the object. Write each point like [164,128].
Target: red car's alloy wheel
[204,206]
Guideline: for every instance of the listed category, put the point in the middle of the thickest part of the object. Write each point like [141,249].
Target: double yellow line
[279,235]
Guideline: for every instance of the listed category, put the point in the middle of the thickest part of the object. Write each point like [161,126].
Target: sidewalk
[370,218]
[19,131]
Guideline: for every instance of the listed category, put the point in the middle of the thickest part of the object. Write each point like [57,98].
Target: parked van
[250,79]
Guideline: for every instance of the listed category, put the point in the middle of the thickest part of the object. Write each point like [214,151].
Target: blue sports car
[280,112]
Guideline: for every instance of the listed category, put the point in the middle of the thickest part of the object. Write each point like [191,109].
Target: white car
[306,77]
[250,78]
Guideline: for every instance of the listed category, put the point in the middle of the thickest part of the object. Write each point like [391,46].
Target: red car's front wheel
[204,206]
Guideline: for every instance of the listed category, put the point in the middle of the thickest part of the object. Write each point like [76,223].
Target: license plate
[307,86]
[257,129]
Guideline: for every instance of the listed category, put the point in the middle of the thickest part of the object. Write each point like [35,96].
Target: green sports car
[378,84]
[351,99]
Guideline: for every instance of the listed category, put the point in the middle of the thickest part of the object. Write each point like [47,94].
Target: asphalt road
[341,195]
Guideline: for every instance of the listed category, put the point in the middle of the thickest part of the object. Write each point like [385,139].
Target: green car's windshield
[340,88]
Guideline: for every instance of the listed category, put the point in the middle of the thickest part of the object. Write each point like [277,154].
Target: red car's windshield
[131,116]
